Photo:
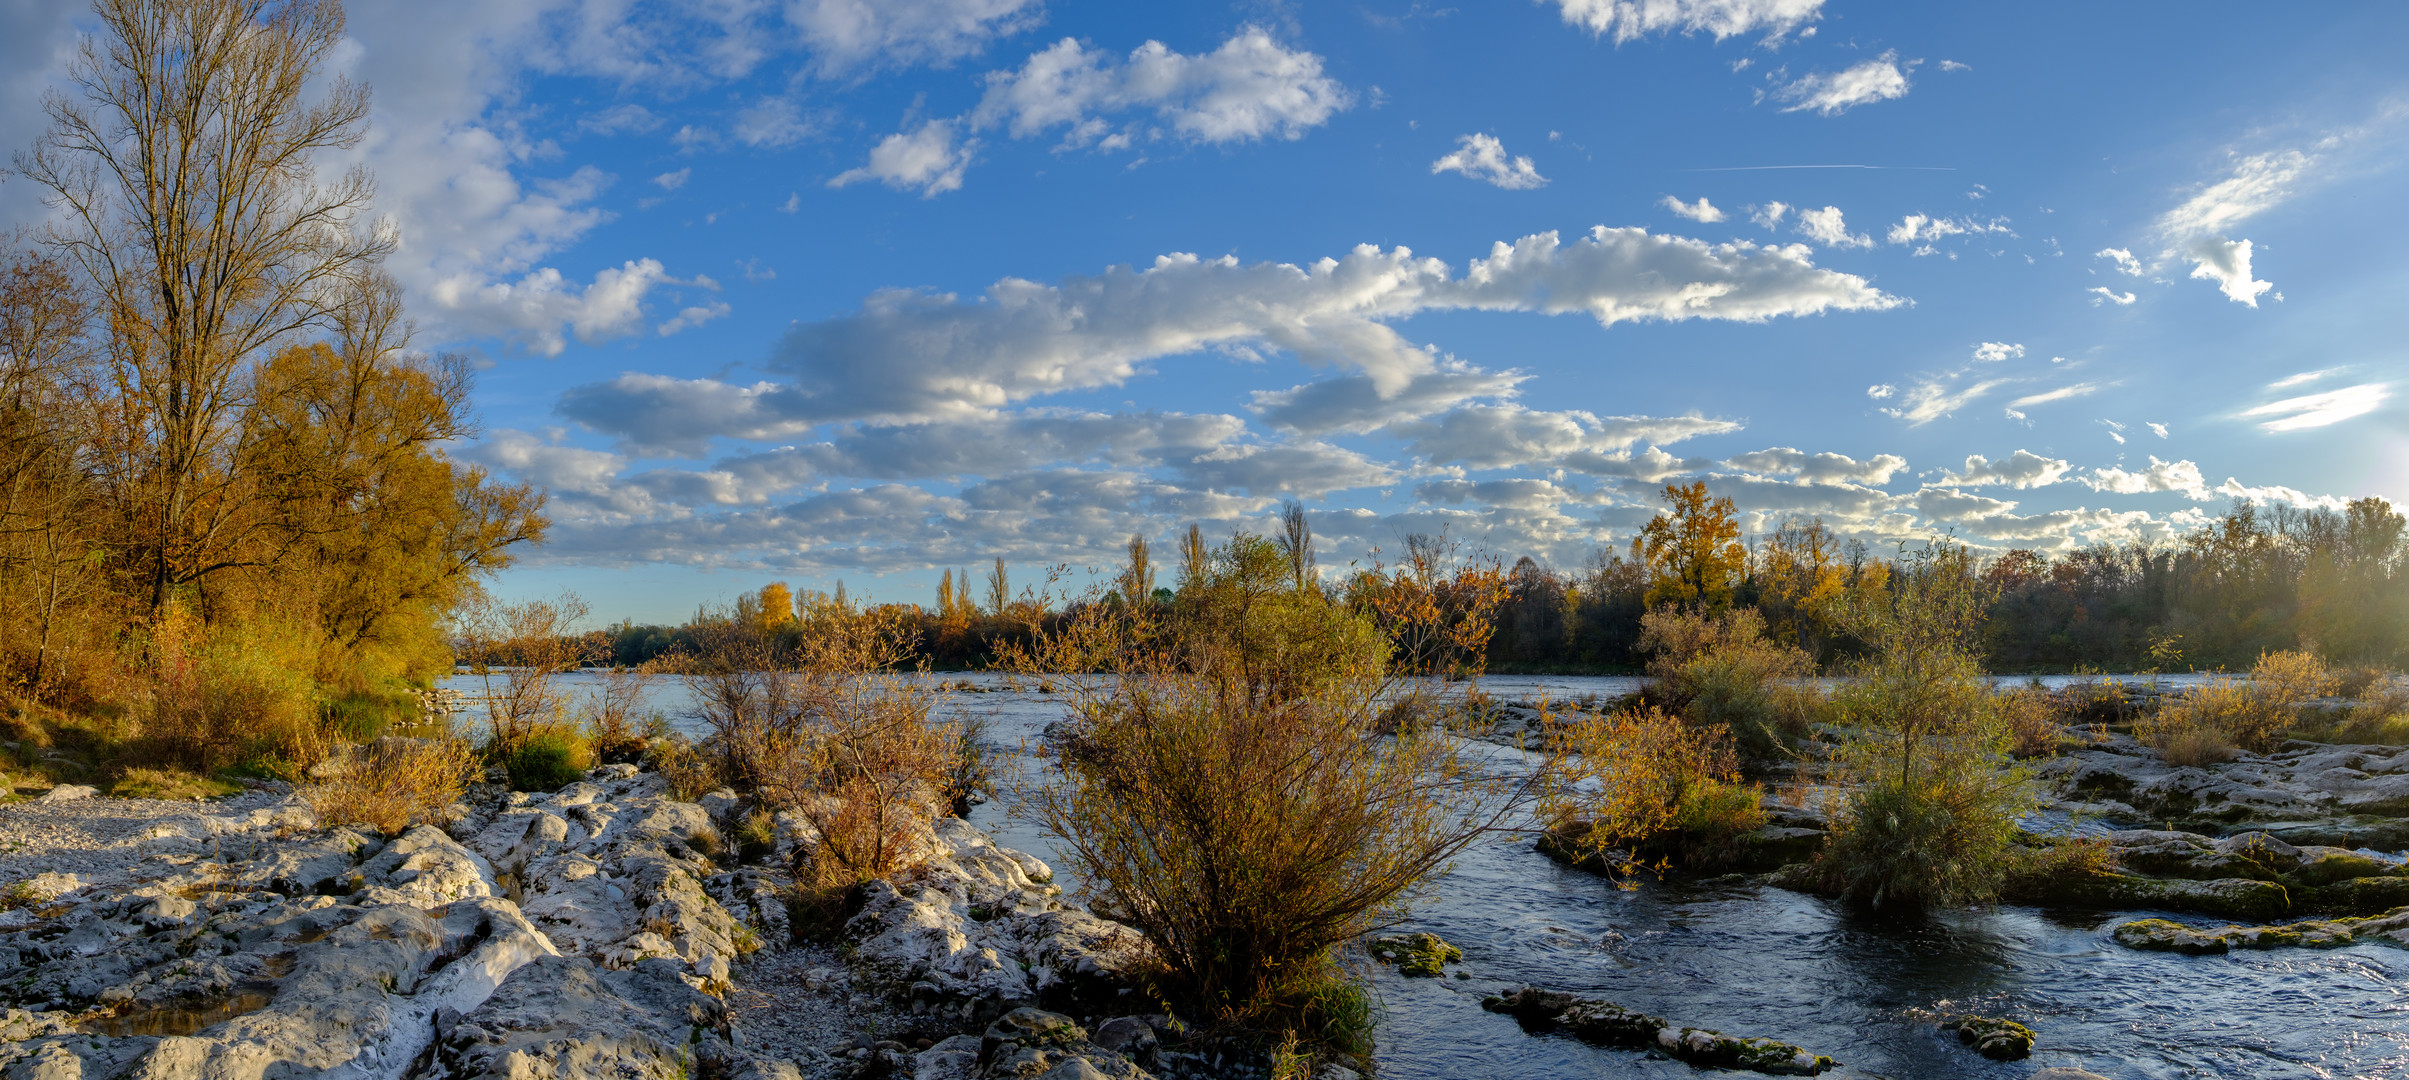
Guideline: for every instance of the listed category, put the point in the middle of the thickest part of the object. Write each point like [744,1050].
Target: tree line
[2258,579]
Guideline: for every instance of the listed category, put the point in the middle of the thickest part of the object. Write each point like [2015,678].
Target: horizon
[838,292]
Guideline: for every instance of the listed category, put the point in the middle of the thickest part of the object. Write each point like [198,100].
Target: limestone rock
[64,792]
[1607,1024]
[567,1017]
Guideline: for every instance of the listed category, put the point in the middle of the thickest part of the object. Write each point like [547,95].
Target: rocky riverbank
[604,929]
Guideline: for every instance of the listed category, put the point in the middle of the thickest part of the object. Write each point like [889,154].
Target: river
[1752,960]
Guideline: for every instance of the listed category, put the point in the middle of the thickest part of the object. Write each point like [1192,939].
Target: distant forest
[2260,578]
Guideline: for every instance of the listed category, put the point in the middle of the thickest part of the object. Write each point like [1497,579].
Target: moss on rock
[1416,955]
[1604,1023]
[2162,935]
[1999,1040]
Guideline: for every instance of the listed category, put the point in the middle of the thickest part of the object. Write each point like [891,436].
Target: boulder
[1416,955]
[65,792]
[567,1017]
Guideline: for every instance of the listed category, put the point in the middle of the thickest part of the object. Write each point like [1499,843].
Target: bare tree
[1296,542]
[184,168]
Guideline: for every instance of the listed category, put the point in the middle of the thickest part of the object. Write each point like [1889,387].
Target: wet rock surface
[1416,955]
[1606,1024]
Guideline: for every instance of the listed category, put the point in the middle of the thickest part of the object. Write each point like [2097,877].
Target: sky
[865,289]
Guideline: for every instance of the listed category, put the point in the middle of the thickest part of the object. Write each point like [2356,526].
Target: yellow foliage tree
[777,607]
[1693,554]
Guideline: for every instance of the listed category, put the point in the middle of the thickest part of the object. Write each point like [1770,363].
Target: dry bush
[393,784]
[609,713]
[1640,784]
[2253,714]
[2031,719]
[1224,786]
[821,724]
[147,783]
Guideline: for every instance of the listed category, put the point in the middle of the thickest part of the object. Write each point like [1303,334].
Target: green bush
[1934,840]
[548,758]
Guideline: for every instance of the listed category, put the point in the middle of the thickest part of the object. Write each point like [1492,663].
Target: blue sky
[834,288]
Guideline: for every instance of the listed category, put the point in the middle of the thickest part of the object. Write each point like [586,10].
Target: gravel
[98,839]
[798,1004]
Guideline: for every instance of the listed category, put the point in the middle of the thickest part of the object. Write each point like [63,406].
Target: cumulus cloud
[1826,227]
[1252,87]
[1482,157]
[543,309]
[671,181]
[2022,469]
[1624,20]
[850,35]
[917,355]
[2226,262]
[1354,403]
[1501,436]
[2183,478]
[2321,409]
[1879,391]
[1832,93]
[1769,215]
[2102,294]
[1702,211]
[1307,469]
[1823,468]
[927,158]
[1992,352]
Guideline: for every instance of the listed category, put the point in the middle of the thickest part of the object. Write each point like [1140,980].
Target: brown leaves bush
[2255,714]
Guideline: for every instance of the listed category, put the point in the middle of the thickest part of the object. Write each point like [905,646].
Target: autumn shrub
[545,756]
[392,784]
[1929,815]
[1721,670]
[2031,719]
[2039,872]
[1223,786]
[2252,714]
[1639,785]
[690,772]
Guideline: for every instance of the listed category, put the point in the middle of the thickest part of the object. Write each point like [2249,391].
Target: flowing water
[1750,960]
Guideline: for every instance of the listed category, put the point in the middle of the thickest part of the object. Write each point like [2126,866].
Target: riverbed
[1755,960]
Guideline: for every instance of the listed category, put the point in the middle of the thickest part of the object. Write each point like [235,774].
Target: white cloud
[690,317]
[1823,468]
[2227,262]
[1769,215]
[1879,391]
[1625,20]
[1307,470]
[2323,409]
[1503,436]
[2125,262]
[1826,227]
[2258,182]
[1952,65]
[927,159]
[542,309]
[2197,228]
[1702,212]
[1252,87]
[1924,229]
[671,181]
[1991,352]
[2103,294]
[2060,394]
[1355,403]
[848,35]
[915,355]
[622,119]
[772,124]
[1832,93]
[2022,469]
[1932,399]
[1483,157]
[2156,428]
[2302,377]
